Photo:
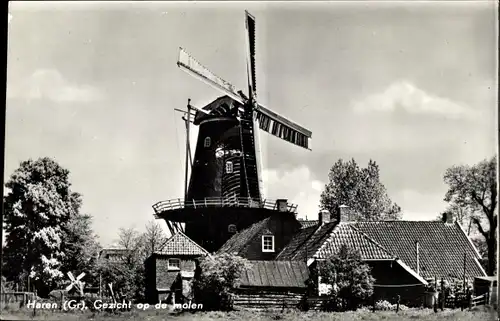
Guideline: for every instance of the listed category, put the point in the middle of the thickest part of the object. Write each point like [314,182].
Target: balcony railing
[180,203]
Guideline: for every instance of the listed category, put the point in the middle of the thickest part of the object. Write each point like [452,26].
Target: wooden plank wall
[267,300]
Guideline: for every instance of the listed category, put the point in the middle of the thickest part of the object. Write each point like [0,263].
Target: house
[113,254]
[405,256]
[169,273]
[265,239]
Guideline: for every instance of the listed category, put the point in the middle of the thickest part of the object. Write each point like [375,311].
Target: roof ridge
[238,234]
[372,240]
[257,230]
[469,240]
[336,223]
[317,231]
[294,252]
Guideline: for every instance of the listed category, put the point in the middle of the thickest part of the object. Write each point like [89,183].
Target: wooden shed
[486,285]
[272,285]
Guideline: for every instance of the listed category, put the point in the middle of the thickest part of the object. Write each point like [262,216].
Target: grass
[480,313]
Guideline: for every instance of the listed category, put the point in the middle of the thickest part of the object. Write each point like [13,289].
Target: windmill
[226,169]
[76,283]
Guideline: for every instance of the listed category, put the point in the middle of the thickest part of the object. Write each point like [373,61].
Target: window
[207,142]
[267,243]
[229,167]
[174,264]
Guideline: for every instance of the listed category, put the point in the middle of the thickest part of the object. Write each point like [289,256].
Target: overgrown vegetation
[215,278]
[350,280]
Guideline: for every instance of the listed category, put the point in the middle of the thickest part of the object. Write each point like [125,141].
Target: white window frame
[207,142]
[264,249]
[229,167]
[173,267]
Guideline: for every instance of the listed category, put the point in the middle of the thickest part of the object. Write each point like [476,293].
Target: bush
[350,279]
[215,278]
[384,305]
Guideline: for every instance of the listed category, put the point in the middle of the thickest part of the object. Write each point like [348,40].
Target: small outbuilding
[169,273]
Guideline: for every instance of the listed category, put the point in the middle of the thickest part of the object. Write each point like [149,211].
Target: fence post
[443,299]
[373,310]
[397,303]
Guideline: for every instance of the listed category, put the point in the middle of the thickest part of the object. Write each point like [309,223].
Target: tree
[127,275]
[361,190]
[480,244]
[153,239]
[462,216]
[349,278]
[215,277]
[80,248]
[39,212]
[474,189]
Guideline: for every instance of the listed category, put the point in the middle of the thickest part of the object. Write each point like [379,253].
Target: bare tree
[154,239]
[130,240]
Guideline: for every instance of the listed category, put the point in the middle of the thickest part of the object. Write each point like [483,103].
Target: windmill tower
[224,190]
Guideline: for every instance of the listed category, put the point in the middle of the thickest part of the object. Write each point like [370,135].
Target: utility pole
[187,149]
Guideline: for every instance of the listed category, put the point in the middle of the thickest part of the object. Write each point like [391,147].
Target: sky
[94,85]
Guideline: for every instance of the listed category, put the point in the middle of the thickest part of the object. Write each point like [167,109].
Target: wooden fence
[20,298]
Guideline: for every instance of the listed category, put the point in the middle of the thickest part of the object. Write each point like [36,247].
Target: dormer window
[174,264]
[267,243]
[207,142]
[229,167]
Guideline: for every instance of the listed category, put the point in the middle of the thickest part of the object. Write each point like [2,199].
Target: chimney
[448,217]
[417,249]
[324,217]
[344,213]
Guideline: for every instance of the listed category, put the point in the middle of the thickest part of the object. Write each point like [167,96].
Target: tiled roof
[307,223]
[306,242]
[106,252]
[346,234]
[441,246]
[276,274]
[296,242]
[238,241]
[180,244]
[113,251]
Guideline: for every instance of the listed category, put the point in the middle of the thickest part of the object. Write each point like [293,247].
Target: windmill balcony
[177,204]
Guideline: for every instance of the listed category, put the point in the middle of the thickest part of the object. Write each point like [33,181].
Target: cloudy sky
[94,85]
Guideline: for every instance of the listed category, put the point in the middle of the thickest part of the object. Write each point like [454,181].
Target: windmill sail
[187,63]
[250,25]
[267,119]
[283,128]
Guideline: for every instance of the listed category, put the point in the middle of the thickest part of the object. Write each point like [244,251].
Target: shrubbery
[215,278]
[350,279]
[384,305]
